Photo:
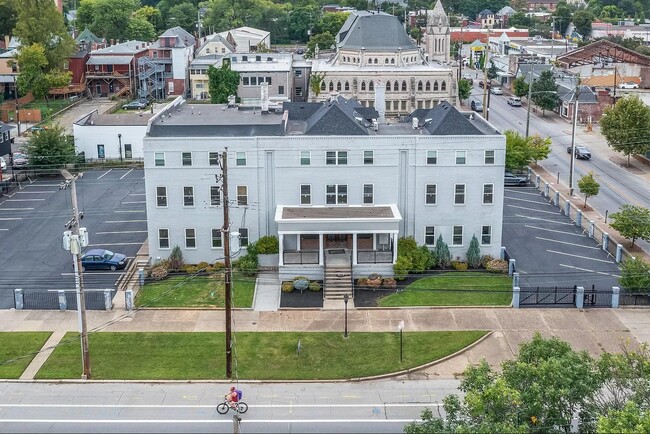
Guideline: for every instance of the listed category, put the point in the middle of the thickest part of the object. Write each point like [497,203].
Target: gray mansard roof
[374,31]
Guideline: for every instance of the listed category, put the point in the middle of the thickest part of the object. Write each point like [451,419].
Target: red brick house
[113,71]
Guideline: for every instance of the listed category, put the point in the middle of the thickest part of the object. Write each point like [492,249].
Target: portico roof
[337,212]
[382,218]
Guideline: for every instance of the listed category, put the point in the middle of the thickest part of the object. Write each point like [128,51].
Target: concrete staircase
[338,282]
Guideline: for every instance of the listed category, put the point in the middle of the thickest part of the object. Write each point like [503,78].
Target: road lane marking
[121,232]
[137,201]
[544,220]
[125,221]
[616,190]
[10,218]
[589,271]
[114,244]
[122,177]
[566,242]
[536,210]
[137,210]
[16,209]
[99,273]
[4,229]
[25,200]
[553,230]
[104,174]
[36,192]
[138,194]
[581,257]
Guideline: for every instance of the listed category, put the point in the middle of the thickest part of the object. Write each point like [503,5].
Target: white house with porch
[336,186]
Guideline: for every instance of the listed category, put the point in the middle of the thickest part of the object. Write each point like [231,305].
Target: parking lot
[548,248]
[32,221]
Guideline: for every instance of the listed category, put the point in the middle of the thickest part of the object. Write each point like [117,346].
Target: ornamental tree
[625,126]
[544,92]
[635,275]
[632,222]
[588,186]
[464,89]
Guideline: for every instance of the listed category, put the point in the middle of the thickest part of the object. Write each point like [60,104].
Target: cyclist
[232,397]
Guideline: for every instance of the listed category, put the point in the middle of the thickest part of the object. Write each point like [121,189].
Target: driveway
[70,116]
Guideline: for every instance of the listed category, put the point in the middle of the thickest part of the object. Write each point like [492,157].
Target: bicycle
[240,407]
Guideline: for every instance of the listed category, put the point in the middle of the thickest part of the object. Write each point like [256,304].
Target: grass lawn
[199,291]
[17,349]
[48,108]
[454,289]
[261,356]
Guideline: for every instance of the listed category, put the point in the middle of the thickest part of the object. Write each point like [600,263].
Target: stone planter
[268,261]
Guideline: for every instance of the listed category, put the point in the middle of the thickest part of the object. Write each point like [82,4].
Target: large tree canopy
[222,82]
[544,92]
[625,126]
[107,18]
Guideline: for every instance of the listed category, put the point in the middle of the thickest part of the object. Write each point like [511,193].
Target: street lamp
[119,138]
[346,298]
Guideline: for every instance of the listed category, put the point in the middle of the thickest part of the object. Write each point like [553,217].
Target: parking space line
[525,200]
[10,218]
[2,229]
[98,273]
[553,230]
[544,220]
[590,271]
[512,190]
[137,210]
[566,242]
[122,177]
[138,194]
[36,192]
[581,257]
[114,244]
[125,221]
[16,209]
[42,184]
[104,174]
[121,232]
[25,200]
[135,201]
[536,210]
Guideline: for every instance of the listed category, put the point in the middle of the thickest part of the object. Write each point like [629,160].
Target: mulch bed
[305,299]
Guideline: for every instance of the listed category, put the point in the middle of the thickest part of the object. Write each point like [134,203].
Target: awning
[333,219]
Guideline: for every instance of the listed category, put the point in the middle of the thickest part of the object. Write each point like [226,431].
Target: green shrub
[191,269]
[485,259]
[159,273]
[389,283]
[635,275]
[474,253]
[442,253]
[247,265]
[402,267]
[459,265]
[287,286]
[300,283]
[374,281]
[218,266]
[202,265]
[267,245]
[176,258]
[314,286]
[497,266]
[420,256]
[362,282]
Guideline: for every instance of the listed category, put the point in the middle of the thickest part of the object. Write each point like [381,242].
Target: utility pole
[74,241]
[228,270]
[573,137]
[485,75]
[16,104]
[552,36]
[530,93]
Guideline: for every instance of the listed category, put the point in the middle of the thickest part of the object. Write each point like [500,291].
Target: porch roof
[326,218]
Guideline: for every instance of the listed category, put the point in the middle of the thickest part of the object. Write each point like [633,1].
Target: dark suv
[582,153]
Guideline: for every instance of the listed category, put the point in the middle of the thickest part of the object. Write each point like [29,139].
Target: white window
[339,158]
[163,238]
[161,196]
[461,157]
[216,238]
[187,158]
[188,196]
[430,235]
[305,194]
[159,158]
[336,194]
[486,235]
[241,158]
[368,194]
[459,194]
[305,158]
[488,193]
[298,72]
[457,239]
[431,194]
[243,237]
[170,87]
[214,158]
[368,157]
[432,157]
[215,195]
[190,238]
[489,156]
[242,195]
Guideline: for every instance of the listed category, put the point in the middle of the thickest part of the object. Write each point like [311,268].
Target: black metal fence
[634,299]
[598,298]
[547,296]
[49,300]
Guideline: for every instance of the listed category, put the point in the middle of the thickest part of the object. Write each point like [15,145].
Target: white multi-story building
[326,178]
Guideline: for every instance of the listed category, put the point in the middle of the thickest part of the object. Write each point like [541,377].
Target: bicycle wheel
[242,407]
[223,408]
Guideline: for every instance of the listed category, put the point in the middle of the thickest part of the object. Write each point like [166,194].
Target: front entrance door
[341,241]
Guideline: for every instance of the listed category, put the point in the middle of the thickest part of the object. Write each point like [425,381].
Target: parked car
[468,77]
[496,91]
[136,105]
[3,164]
[481,84]
[98,259]
[20,159]
[476,106]
[514,101]
[628,85]
[510,179]
[582,152]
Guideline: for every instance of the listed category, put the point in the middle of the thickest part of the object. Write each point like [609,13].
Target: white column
[354,249]
[298,246]
[321,260]
[281,250]
[394,243]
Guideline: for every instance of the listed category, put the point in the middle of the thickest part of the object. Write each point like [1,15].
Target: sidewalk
[595,330]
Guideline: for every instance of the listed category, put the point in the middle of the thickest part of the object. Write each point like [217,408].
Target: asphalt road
[32,222]
[364,407]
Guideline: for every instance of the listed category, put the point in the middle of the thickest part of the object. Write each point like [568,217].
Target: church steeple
[438,37]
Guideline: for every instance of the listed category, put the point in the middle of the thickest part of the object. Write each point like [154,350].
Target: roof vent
[414,123]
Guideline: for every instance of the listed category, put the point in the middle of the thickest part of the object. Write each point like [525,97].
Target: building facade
[323,177]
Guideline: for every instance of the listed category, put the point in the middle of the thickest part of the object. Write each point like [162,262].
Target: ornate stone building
[377,63]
